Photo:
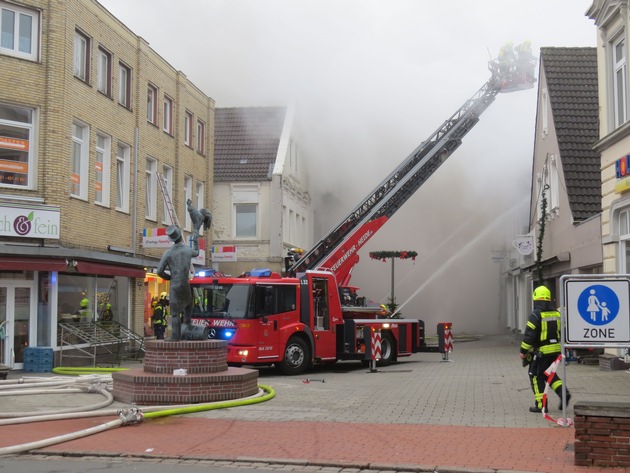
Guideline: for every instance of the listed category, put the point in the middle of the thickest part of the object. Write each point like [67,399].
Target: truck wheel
[297,357]
[388,350]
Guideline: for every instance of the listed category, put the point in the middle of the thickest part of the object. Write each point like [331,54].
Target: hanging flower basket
[385,255]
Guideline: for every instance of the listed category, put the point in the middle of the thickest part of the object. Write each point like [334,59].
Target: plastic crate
[38,353]
[38,367]
[38,359]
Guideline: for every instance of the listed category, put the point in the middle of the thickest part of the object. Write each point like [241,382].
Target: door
[17,319]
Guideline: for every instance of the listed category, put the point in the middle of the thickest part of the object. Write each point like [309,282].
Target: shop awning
[104,269]
[19,263]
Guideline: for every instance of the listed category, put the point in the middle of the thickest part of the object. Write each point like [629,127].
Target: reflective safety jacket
[542,335]
[159,317]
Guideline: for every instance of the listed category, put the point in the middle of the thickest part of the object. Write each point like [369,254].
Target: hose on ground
[126,416]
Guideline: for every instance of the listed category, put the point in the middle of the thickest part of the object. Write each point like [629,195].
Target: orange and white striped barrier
[550,372]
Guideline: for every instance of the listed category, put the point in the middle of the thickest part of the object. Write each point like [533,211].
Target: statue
[174,267]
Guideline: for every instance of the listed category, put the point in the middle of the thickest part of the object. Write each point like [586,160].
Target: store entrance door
[17,321]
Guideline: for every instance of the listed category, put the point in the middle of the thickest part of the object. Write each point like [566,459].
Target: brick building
[89,116]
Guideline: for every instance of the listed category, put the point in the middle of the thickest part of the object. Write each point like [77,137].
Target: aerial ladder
[338,250]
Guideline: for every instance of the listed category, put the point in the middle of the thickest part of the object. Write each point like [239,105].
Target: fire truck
[310,314]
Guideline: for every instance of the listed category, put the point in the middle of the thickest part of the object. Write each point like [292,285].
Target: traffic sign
[597,310]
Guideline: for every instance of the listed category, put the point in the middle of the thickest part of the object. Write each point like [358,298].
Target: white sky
[371,80]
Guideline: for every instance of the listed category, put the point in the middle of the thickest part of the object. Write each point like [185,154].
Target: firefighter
[158,319]
[541,347]
[82,314]
[108,313]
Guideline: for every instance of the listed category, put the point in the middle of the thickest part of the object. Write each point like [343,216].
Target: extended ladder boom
[338,250]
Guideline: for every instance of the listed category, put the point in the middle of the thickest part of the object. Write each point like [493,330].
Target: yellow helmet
[541,293]
[164,296]
[84,303]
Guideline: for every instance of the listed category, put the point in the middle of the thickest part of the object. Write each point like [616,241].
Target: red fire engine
[311,315]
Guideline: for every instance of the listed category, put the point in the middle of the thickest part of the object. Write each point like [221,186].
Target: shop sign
[155,238]
[224,254]
[622,173]
[30,221]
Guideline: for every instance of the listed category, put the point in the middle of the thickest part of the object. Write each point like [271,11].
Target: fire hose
[100,385]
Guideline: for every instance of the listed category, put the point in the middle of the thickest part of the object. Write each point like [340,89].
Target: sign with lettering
[598,310]
[30,221]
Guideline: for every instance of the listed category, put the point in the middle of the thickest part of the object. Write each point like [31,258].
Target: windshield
[221,300]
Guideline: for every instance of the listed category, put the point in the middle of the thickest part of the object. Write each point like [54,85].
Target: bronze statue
[174,267]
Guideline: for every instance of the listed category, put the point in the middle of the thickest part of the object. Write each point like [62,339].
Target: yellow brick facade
[49,87]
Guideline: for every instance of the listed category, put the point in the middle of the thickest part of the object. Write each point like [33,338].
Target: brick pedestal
[602,434]
[208,377]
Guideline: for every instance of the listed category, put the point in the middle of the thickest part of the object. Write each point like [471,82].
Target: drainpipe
[134,210]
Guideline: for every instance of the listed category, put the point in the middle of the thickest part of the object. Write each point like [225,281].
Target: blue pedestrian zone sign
[597,311]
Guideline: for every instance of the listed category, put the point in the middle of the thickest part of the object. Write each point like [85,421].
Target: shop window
[17,147]
[95,291]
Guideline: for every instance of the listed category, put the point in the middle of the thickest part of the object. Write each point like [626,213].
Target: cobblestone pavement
[469,413]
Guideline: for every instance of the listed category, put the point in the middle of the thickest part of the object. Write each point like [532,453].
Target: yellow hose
[76,371]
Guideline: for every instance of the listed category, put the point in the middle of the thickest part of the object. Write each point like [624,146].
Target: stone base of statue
[184,372]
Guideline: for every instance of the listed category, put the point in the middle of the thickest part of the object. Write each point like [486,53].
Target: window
[201,137]
[168,115]
[122,177]
[544,106]
[152,104]
[80,158]
[619,81]
[102,168]
[188,123]
[167,177]
[245,220]
[554,200]
[151,184]
[199,198]
[104,72]
[81,56]
[245,199]
[19,32]
[187,195]
[624,241]
[17,147]
[124,85]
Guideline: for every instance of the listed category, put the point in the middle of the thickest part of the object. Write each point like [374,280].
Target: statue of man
[177,260]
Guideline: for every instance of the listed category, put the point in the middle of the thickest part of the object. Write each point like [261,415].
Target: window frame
[104,78]
[151,189]
[201,137]
[10,143]
[168,110]
[123,165]
[102,157]
[82,56]
[79,175]
[619,80]
[152,107]
[34,37]
[167,177]
[124,85]
[188,183]
[188,131]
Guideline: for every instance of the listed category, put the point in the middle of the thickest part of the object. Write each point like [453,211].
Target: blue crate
[38,353]
[41,367]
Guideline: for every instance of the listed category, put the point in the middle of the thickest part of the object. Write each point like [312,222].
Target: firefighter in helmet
[158,319]
[541,347]
[82,314]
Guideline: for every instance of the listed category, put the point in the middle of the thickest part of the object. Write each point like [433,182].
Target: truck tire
[297,357]
[388,350]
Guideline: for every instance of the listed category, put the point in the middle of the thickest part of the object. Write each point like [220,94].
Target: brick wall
[602,434]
